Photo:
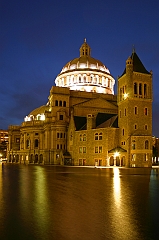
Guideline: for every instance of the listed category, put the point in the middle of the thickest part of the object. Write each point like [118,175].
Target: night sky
[38,37]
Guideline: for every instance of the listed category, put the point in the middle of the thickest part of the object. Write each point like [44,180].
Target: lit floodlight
[125,95]
[116,154]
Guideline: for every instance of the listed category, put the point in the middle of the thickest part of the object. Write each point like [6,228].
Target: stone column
[114,161]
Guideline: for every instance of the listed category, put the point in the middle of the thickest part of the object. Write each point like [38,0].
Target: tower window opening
[145,90]
[60,103]
[146,144]
[123,132]
[140,88]
[64,103]
[135,88]
[123,90]
[146,111]
[135,111]
[120,94]
[56,103]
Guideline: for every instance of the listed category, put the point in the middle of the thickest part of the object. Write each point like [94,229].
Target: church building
[84,123]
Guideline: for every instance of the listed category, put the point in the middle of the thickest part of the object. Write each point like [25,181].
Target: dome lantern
[85,49]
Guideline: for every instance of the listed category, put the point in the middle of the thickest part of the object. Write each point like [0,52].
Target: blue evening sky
[38,37]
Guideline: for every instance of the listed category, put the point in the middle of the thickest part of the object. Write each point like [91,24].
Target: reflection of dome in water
[86,74]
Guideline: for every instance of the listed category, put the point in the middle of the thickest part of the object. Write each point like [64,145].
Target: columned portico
[116,157]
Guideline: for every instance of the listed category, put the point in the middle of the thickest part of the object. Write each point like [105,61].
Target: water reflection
[68,203]
[130,189]
[34,197]
[116,186]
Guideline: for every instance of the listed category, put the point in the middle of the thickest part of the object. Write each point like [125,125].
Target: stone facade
[84,128]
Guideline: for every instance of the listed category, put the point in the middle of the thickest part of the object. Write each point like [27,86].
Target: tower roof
[137,64]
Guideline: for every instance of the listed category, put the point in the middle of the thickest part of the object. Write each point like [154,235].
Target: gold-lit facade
[84,123]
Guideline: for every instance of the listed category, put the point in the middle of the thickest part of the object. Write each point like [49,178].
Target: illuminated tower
[135,112]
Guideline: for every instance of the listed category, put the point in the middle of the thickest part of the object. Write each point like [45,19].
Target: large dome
[86,74]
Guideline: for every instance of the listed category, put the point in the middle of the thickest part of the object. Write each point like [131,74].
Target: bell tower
[135,112]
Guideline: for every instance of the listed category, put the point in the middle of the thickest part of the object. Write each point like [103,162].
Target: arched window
[84,79]
[135,88]
[79,79]
[146,111]
[64,103]
[135,111]
[56,103]
[120,94]
[100,136]
[60,103]
[140,88]
[36,143]
[96,136]
[80,137]
[146,144]
[84,137]
[145,90]
[27,143]
[123,131]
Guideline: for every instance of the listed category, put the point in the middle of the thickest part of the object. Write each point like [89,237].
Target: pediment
[97,103]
